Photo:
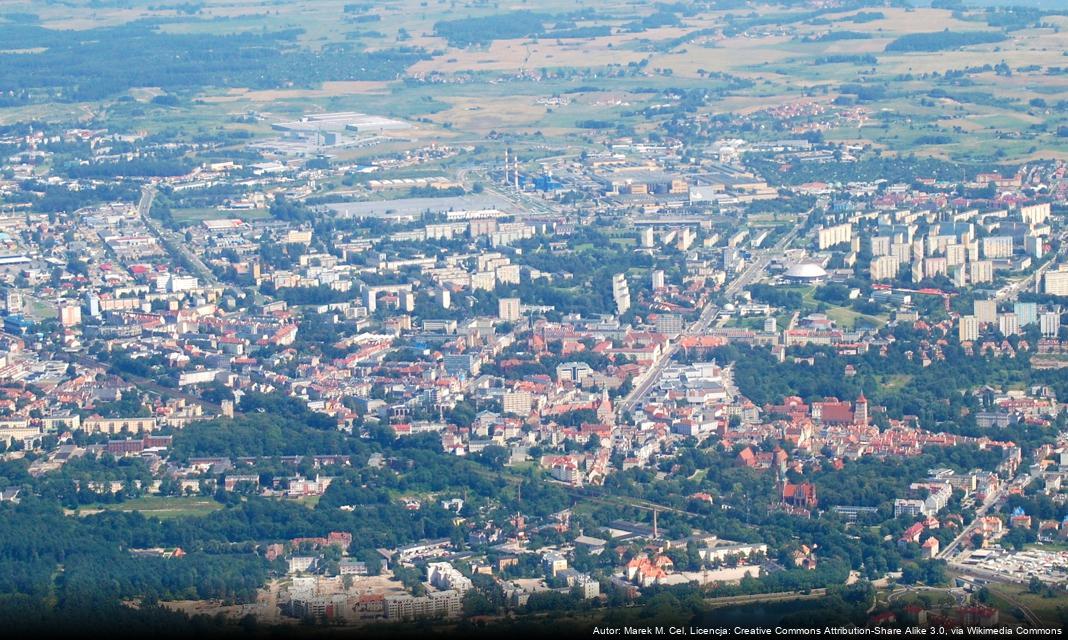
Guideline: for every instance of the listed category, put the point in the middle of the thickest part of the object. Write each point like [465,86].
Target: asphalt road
[169,240]
[750,274]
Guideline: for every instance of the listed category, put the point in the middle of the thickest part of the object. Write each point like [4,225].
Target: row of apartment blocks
[1023,314]
[977,272]
[439,604]
[25,428]
[954,248]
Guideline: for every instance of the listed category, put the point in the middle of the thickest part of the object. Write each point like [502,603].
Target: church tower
[860,410]
[605,413]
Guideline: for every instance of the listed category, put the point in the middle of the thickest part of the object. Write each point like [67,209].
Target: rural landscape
[407,317]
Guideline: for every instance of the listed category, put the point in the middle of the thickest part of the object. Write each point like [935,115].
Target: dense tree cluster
[480,31]
[82,66]
[54,567]
[943,40]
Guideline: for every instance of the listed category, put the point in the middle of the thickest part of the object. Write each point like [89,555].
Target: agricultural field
[429,296]
[993,96]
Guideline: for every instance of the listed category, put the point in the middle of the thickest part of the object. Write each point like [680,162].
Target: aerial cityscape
[472,317]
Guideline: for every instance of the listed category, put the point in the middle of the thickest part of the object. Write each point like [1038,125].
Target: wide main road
[981,511]
[170,241]
[750,274]
[997,499]
[144,206]
[1034,280]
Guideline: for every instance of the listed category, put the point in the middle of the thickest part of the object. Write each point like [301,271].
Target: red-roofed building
[832,411]
[930,547]
[912,534]
[800,495]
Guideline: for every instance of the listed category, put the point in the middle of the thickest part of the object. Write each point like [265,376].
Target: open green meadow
[162,507]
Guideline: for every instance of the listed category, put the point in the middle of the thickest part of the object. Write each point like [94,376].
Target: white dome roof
[806,271]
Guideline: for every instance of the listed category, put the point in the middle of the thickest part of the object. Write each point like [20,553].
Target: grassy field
[850,319]
[211,213]
[309,501]
[162,507]
[756,323]
[38,309]
[1052,547]
[893,382]
[1049,610]
[845,317]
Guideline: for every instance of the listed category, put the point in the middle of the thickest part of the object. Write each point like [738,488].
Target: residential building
[884,268]
[1026,313]
[986,311]
[1050,323]
[969,328]
[981,271]
[620,293]
[658,279]
[439,604]
[997,247]
[1008,324]
[508,309]
[517,402]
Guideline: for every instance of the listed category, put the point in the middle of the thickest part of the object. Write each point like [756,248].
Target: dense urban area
[479,316]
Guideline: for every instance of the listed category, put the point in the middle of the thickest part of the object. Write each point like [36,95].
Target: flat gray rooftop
[409,207]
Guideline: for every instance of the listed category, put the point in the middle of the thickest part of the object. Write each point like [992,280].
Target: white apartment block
[444,576]
[508,309]
[997,247]
[1049,323]
[969,329]
[1035,214]
[517,402]
[981,271]
[1055,283]
[440,604]
[834,235]
[1008,324]
[885,268]
[986,311]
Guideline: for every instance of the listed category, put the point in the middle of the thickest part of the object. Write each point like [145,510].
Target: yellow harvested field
[872,45]
[731,55]
[486,113]
[524,54]
[900,21]
[107,19]
[535,54]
